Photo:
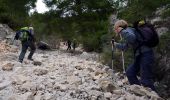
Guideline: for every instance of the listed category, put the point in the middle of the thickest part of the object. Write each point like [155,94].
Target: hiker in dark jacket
[68,45]
[74,44]
[29,41]
[143,59]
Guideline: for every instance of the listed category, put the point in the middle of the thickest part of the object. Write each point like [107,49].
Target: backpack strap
[141,43]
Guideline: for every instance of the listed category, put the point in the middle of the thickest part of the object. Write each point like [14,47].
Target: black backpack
[148,34]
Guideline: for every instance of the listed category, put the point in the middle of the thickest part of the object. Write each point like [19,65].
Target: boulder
[37,63]
[43,46]
[19,79]
[107,95]
[142,91]
[107,85]
[118,92]
[6,32]
[40,71]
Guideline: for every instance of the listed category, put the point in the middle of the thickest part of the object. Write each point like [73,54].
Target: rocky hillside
[162,67]
[161,24]
[56,75]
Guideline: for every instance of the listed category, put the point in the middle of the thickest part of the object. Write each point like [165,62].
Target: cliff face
[162,24]
[6,32]
[162,65]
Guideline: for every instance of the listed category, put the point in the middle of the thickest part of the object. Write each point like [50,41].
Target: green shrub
[166,13]
[91,43]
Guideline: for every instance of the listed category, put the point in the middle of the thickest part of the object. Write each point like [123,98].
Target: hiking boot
[30,59]
[20,61]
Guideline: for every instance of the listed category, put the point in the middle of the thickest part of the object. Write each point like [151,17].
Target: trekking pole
[112,56]
[112,50]
[123,58]
[123,62]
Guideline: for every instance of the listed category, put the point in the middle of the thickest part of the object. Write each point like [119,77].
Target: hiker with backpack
[74,45]
[26,36]
[142,38]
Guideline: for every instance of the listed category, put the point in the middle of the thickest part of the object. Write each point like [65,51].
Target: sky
[41,7]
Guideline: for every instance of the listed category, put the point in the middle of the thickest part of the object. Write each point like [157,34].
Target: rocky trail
[59,75]
[56,75]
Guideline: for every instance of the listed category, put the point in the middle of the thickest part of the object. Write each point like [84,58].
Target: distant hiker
[74,44]
[144,56]
[68,45]
[26,36]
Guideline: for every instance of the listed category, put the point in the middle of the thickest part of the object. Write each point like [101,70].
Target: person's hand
[112,41]
[117,30]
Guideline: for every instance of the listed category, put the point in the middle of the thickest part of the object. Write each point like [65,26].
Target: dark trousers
[25,46]
[69,47]
[143,63]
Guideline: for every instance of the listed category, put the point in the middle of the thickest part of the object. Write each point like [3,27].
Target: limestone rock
[118,91]
[38,97]
[120,83]
[8,67]
[95,94]
[107,85]
[90,69]
[41,87]
[130,97]
[28,96]
[1,79]
[107,95]
[4,85]
[141,91]
[137,90]
[19,79]
[75,80]
[48,96]
[78,68]
[28,86]
[40,71]
[60,87]
[121,98]
[15,97]
[97,77]
[37,63]
[98,72]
